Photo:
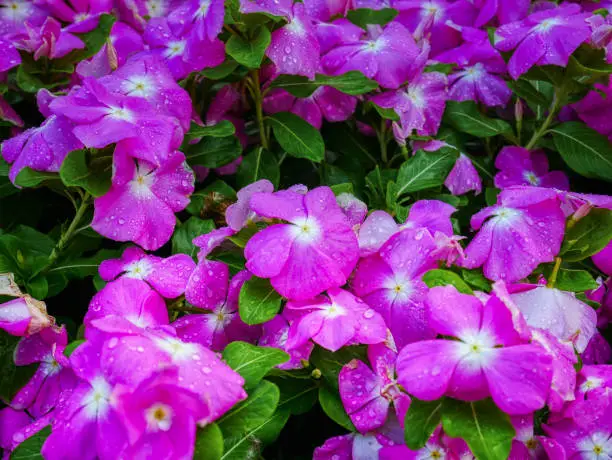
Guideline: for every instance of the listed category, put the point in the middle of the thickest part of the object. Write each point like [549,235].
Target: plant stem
[381,134]
[257,96]
[552,113]
[66,236]
[553,276]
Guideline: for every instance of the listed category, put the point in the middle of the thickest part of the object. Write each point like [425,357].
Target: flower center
[506,216]
[547,24]
[119,113]
[203,9]
[154,8]
[306,230]
[159,417]
[141,86]
[96,402]
[415,96]
[139,269]
[175,48]
[141,185]
[531,178]
[334,310]
[81,17]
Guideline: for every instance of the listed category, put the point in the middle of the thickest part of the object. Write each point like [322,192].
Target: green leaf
[73,346]
[222,129]
[296,136]
[445,277]
[476,279]
[353,83]
[421,420]
[526,90]
[249,414]
[211,198]
[25,250]
[362,17]
[213,152]
[249,53]
[95,39]
[248,445]
[186,232]
[38,287]
[486,429]
[80,169]
[297,395]
[221,71]
[584,150]
[465,117]
[252,362]
[256,165]
[31,447]
[330,363]
[258,301]
[425,170]
[575,280]
[588,236]
[12,377]
[29,177]
[589,64]
[208,443]
[332,406]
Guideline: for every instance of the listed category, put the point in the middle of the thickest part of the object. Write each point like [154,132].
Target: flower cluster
[375,207]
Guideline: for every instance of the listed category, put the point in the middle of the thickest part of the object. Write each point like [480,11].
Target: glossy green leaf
[588,236]
[425,170]
[258,301]
[213,152]
[252,362]
[445,277]
[353,83]
[31,447]
[363,17]
[80,169]
[332,406]
[422,418]
[208,443]
[467,118]
[249,53]
[256,165]
[186,232]
[296,136]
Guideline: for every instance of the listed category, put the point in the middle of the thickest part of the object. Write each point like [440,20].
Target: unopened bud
[24,316]
[316,374]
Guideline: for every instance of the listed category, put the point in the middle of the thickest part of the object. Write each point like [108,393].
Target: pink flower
[595,109]
[14,15]
[210,288]
[603,259]
[10,56]
[83,15]
[275,333]
[503,10]
[489,358]
[204,17]
[334,321]
[349,447]
[239,214]
[463,177]
[367,393]
[167,276]
[142,200]
[48,41]
[316,251]
[547,37]
[519,166]
[24,316]
[516,235]
[390,282]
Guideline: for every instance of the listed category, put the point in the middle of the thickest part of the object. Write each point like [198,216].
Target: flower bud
[24,316]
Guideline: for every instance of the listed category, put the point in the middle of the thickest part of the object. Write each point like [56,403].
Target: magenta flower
[275,333]
[82,15]
[43,148]
[349,447]
[367,393]
[316,251]
[519,166]
[17,426]
[239,214]
[516,235]
[158,413]
[527,445]
[15,13]
[437,446]
[379,226]
[547,37]
[141,203]
[603,259]
[375,55]
[294,48]
[138,12]
[53,375]
[559,313]
[210,288]
[184,53]
[595,109]
[50,40]
[167,276]
[602,34]
[325,103]
[209,241]
[10,56]
[24,316]
[390,282]
[463,177]
[504,11]
[480,65]
[420,104]
[334,321]
[324,10]
[125,306]
[354,209]
[204,17]
[489,358]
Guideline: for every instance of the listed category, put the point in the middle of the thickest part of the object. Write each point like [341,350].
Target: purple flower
[519,166]
[324,10]
[142,200]
[294,48]
[210,288]
[10,56]
[559,313]
[516,235]
[316,251]
[349,447]
[390,282]
[17,426]
[167,276]
[602,34]
[463,177]
[595,109]
[137,12]
[125,306]
[503,10]
[603,259]
[354,209]
[239,214]
[480,65]
[334,321]
[43,148]
[376,55]
[367,393]
[489,358]
[15,13]
[547,37]
[204,17]
[184,53]
[24,316]
[48,41]
[325,103]
[275,333]
[82,15]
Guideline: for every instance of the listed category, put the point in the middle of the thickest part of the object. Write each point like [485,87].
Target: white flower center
[16,11]
[506,216]
[475,349]
[159,417]
[141,185]
[306,230]
[96,402]
[432,9]
[590,384]
[547,24]
[155,8]
[178,350]
[50,366]
[474,72]
[398,288]
[175,48]
[119,113]
[598,446]
[202,10]
[140,86]
[139,269]
[334,310]
[415,95]
[531,178]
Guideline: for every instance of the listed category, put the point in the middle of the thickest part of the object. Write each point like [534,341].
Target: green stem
[381,134]
[553,276]
[552,113]
[258,98]
[66,236]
